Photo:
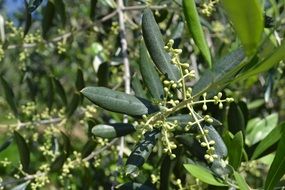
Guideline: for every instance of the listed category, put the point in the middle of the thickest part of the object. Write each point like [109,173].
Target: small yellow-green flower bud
[220,94]
[172,156]
[166,89]
[203,144]
[204,107]
[166,82]
[212,142]
[207,156]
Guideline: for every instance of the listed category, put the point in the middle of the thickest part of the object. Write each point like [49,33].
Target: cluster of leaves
[187,133]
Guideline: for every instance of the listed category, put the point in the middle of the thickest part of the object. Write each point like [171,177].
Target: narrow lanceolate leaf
[137,86]
[113,130]
[277,168]
[247,19]
[166,170]
[75,101]
[235,153]
[261,129]
[228,65]
[22,186]
[149,74]
[236,121]
[93,4]
[222,72]
[60,9]
[203,174]
[6,144]
[155,46]
[268,141]
[89,146]
[28,21]
[48,16]
[60,90]
[142,151]
[80,84]
[118,101]
[24,151]
[66,144]
[33,5]
[50,92]
[9,96]
[195,28]
[241,181]
[103,74]
[274,58]
[57,164]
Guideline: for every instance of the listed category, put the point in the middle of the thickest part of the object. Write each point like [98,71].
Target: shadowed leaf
[113,130]
[137,86]
[24,151]
[48,15]
[9,96]
[149,74]
[142,151]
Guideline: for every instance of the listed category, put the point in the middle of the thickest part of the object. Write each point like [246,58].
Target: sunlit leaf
[195,28]
[274,58]
[235,150]
[22,186]
[277,168]
[269,140]
[247,19]
[261,129]
[118,101]
[203,174]
[241,181]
